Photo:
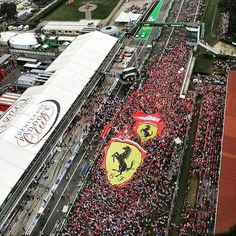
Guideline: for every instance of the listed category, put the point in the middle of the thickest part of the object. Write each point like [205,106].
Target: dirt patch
[88,7]
[225,48]
[193,188]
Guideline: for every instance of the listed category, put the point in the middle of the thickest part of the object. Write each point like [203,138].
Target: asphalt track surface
[145,32]
[69,188]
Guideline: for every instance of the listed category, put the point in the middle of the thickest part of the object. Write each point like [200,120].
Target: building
[7,65]
[5,37]
[24,41]
[70,27]
[226,207]
[27,126]
[26,80]
[7,100]
[127,17]
[110,30]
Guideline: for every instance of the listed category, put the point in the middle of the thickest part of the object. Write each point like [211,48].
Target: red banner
[106,130]
[147,126]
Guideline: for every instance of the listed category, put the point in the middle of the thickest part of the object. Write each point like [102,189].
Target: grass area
[193,187]
[210,20]
[210,17]
[203,64]
[187,158]
[70,12]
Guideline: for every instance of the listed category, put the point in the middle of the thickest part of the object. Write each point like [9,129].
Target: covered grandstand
[226,208]
[26,126]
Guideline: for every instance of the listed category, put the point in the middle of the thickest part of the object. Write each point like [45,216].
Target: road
[69,188]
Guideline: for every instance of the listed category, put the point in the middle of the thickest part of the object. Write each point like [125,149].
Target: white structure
[66,38]
[70,27]
[178,140]
[5,37]
[126,17]
[23,41]
[27,80]
[110,29]
[23,14]
[27,125]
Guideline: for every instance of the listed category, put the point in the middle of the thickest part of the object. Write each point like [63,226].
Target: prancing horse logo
[121,157]
[146,131]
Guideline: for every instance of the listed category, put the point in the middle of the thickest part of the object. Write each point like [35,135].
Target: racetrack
[145,32]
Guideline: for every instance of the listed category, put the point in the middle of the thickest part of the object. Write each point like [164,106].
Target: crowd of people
[143,205]
[128,210]
[198,216]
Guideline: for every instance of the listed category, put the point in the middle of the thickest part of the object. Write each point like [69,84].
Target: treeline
[230,6]
[8,10]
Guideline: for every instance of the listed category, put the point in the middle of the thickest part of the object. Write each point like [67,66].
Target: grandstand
[227,191]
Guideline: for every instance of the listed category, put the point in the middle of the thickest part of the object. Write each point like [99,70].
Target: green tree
[8,9]
[230,7]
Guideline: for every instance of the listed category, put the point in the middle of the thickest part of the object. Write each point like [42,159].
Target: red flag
[147,126]
[125,133]
[106,130]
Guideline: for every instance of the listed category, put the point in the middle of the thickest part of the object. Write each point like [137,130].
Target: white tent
[23,41]
[125,17]
[177,140]
[6,36]
[29,122]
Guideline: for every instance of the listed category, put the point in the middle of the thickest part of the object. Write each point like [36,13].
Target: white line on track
[69,181]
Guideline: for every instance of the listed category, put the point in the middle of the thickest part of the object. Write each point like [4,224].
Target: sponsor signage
[39,124]
[12,112]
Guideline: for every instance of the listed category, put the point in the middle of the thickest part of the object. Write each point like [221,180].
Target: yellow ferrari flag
[122,159]
[147,126]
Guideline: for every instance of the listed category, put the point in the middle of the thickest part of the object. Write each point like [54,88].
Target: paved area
[145,32]
[70,187]
[125,6]
[88,8]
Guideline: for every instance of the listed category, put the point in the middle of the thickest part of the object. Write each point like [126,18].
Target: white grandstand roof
[28,123]
[70,25]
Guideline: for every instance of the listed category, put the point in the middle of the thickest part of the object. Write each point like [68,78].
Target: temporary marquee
[27,125]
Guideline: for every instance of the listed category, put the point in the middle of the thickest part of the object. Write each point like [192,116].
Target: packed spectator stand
[143,205]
